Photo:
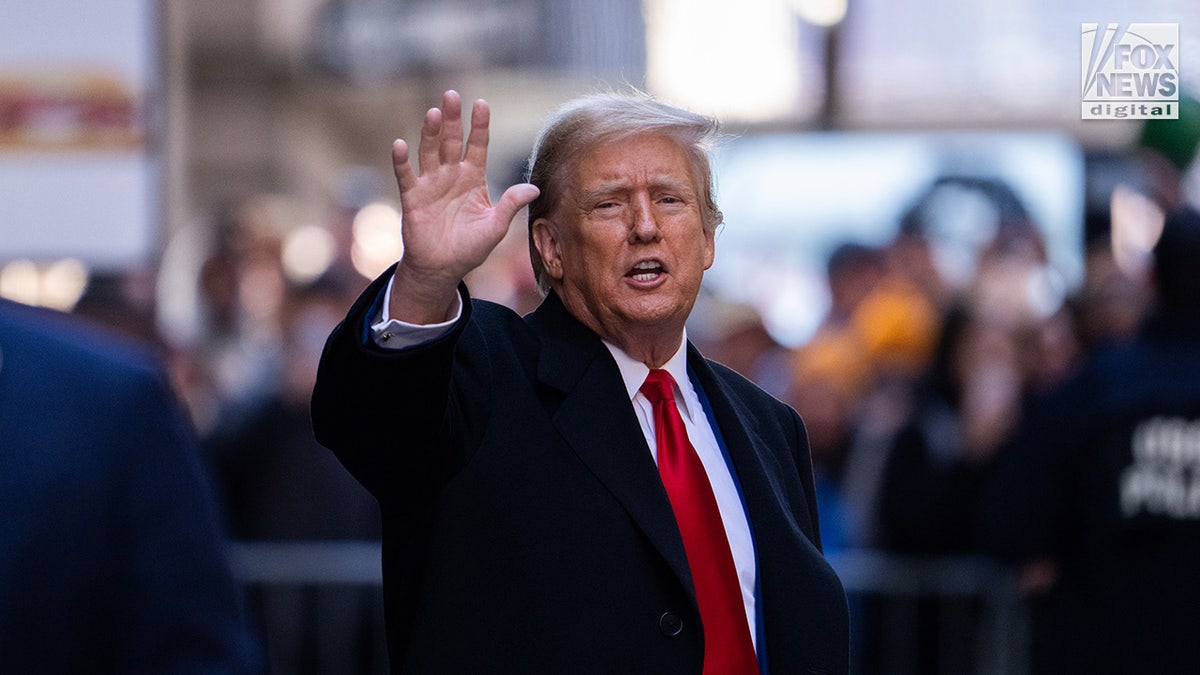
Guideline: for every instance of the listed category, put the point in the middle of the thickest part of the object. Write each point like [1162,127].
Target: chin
[656,315]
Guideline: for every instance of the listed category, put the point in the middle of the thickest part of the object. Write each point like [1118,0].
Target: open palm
[449,222]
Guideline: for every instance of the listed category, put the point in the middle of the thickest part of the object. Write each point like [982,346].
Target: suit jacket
[526,529]
[110,556]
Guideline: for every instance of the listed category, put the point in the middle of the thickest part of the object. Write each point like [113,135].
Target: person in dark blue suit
[1100,499]
[531,522]
[110,556]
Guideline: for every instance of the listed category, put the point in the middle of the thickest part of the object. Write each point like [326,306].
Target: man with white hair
[578,490]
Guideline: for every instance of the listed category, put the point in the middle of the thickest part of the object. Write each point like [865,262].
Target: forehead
[647,157]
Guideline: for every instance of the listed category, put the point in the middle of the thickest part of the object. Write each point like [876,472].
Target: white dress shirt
[394,334]
[700,433]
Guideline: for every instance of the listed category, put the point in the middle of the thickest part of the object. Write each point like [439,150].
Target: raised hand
[449,223]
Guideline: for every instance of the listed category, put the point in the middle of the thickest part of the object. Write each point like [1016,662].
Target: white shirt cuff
[390,333]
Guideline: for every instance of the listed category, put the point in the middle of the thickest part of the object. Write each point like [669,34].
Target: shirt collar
[634,372]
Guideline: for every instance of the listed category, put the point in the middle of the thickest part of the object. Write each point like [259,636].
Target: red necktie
[728,649]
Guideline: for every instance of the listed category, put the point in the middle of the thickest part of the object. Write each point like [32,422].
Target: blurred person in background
[235,355]
[111,554]
[970,398]
[1117,290]
[844,380]
[1112,303]
[852,273]
[123,301]
[887,309]
[278,484]
[829,376]
[1101,498]
[965,401]
[827,379]
[966,410]
[527,526]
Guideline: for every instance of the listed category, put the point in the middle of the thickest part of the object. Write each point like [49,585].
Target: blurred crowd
[994,414]
[914,381]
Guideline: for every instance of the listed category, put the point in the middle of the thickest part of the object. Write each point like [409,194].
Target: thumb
[514,199]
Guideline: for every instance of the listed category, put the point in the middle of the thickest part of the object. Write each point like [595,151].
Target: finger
[450,149]
[514,199]
[431,130]
[400,166]
[477,141]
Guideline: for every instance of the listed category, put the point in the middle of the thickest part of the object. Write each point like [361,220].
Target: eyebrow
[616,186]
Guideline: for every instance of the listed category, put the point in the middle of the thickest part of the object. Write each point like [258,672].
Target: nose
[644,227]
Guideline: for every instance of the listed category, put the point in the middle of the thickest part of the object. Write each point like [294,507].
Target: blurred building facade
[283,95]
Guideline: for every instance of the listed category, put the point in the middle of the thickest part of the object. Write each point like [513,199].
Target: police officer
[1105,491]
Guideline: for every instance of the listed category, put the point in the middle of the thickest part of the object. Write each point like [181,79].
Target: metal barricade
[318,605]
[320,608]
[933,615]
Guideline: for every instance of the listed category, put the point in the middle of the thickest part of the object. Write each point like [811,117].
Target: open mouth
[647,270]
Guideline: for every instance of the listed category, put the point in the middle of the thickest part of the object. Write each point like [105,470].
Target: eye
[608,207]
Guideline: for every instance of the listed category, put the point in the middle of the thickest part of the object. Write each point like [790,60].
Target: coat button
[671,624]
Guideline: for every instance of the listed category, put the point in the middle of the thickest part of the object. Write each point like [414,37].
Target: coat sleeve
[384,413]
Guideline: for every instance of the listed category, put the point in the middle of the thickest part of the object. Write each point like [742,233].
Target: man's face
[626,249]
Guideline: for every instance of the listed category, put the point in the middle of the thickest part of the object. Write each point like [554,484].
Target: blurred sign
[382,39]
[77,177]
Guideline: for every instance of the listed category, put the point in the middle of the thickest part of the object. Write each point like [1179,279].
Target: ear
[545,238]
[710,247]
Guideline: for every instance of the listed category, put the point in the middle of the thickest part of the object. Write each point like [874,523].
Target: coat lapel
[758,467]
[595,418]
